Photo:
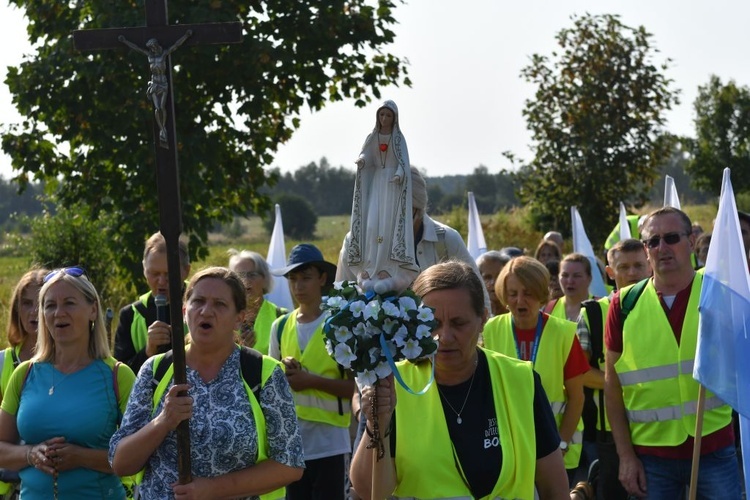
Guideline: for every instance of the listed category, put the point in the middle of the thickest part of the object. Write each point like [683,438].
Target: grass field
[500,230]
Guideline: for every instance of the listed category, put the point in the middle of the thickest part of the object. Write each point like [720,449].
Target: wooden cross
[150,40]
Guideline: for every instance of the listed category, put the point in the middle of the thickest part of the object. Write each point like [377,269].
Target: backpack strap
[163,365]
[627,303]
[596,330]
[16,359]
[280,311]
[280,329]
[140,307]
[251,366]
[441,248]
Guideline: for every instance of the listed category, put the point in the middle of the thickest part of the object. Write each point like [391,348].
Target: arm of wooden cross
[168,36]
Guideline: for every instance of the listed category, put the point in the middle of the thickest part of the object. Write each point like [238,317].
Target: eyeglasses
[669,239]
[248,275]
[75,271]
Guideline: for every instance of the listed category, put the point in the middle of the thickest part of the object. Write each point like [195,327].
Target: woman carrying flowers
[476,431]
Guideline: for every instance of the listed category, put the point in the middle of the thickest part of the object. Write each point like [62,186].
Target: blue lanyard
[537,336]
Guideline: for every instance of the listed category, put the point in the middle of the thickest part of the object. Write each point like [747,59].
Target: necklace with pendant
[458,413]
[55,384]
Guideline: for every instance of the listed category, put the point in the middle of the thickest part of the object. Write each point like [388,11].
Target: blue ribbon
[396,374]
[537,337]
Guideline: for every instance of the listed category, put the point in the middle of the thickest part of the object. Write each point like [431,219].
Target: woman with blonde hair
[549,343]
[66,402]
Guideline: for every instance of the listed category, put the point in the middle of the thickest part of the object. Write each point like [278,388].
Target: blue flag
[722,360]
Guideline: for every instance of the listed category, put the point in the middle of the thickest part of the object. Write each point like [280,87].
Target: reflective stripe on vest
[423,445]
[554,348]
[659,392]
[312,404]
[269,364]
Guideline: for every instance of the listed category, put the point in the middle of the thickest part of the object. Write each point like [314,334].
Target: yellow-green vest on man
[139,328]
[552,353]
[425,463]
[269,364]
[312,404]
[659,392]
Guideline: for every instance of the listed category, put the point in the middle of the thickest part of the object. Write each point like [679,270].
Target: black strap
[251,366]
[627,303]
[141,307]
[280,329]
[16,359]
[280,311]
[596,331]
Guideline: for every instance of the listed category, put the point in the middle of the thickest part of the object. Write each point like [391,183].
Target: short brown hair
[532,274]
[580,258]
[157,244]
[232,279]
[629,245]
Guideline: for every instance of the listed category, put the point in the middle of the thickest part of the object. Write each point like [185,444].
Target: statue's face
[153,46]
[385,118]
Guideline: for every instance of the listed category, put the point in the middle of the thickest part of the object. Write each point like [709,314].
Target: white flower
[423,331]
[336,302]
[360,330]
[372,309]
[329,347]
[425,314]
[383,369]
[412,349]
[344,355]
[342,334]
[356,308]
[406,304]
[338,285]
[374,353]
[391,309]
[367,377]
[400,336]
[389,325]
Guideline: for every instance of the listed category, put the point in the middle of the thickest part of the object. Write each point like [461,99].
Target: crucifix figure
[158,86]
[157,34]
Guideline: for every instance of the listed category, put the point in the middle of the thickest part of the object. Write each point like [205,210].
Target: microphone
[162,313]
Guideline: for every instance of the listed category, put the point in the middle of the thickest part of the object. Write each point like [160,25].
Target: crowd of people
[540,389]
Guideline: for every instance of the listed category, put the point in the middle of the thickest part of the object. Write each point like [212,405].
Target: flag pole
[697,442]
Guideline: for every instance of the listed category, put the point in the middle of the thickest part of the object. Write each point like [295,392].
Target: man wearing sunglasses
[140,334]
[650,394]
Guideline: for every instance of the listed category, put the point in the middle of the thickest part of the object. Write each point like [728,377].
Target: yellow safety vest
[554,348]
[659,392]
[5,373]
[139,328]
[312,404]
[263,321]
[260,420]
[425,463]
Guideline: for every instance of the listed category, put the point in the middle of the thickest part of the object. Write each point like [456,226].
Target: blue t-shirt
[84,410]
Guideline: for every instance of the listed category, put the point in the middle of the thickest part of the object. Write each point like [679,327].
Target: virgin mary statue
[381,245]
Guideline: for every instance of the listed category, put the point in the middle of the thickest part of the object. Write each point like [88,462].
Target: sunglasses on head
[74,271]
[669,239]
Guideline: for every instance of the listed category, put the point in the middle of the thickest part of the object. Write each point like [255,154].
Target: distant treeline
[329,191]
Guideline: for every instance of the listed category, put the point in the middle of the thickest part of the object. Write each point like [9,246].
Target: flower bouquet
[368,332]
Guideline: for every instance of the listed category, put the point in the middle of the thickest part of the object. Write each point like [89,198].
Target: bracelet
[28,456]
[387,431]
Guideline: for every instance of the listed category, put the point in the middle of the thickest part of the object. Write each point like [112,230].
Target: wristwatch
[564,445]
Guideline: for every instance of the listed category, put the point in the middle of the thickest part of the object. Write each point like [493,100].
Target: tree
[596,120]
[482,183]
[722,130]
[329,190]
[299,217]
[89,124]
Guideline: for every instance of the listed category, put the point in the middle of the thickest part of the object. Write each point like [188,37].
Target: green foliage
[71,237]
[597,122]
[234,104]
[298,217]
[722,129]
[676,167]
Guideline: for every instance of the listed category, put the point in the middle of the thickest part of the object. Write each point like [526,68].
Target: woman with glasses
[260,314]
[66,402]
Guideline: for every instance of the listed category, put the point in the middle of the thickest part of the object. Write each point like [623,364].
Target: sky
[464,107]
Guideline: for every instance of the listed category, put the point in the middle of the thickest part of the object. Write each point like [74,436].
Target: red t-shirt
[576,364]
[676,316]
